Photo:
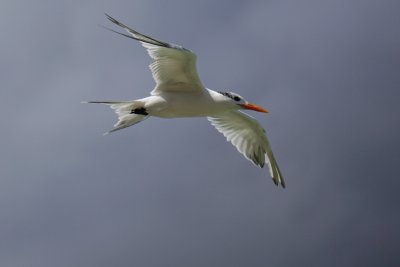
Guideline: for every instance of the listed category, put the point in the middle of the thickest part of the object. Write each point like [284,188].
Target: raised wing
[173,68]
[250,139]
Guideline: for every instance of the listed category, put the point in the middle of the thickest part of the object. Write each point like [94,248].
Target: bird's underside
[180,93]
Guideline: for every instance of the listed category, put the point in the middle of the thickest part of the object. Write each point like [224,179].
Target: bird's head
[241,102]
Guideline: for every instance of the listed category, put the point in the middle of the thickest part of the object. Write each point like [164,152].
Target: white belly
[173,105]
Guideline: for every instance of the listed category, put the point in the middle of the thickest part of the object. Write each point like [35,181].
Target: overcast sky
[173,192]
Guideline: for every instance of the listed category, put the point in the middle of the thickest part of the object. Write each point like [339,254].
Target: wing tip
[111,18]
[278,182]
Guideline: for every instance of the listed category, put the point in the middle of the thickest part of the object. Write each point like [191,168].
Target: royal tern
[180,93]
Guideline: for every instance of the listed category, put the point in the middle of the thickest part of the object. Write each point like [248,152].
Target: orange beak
[253,107]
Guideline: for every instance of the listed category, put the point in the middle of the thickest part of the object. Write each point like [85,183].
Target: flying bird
[180,93]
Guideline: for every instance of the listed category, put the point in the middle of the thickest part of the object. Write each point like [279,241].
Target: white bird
[180,93]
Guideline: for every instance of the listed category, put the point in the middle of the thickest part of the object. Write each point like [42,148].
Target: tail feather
[126,121]
[123,109]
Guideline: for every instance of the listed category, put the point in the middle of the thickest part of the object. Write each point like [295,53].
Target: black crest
[232,96]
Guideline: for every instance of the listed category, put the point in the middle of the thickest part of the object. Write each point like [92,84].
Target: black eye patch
[236,98]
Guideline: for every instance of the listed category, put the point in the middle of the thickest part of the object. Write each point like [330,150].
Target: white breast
[173,104]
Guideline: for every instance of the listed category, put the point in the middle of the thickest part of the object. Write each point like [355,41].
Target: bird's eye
[236,98]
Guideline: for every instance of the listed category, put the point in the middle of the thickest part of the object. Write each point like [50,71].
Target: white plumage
[180,93]
[249,138]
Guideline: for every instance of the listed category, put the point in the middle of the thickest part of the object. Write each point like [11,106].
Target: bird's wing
[250,139]
[173,68]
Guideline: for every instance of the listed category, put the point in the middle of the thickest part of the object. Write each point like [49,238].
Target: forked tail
[128,112]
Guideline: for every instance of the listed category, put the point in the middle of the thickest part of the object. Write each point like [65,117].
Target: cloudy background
[174,192]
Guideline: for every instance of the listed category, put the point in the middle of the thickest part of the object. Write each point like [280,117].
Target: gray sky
[174,192]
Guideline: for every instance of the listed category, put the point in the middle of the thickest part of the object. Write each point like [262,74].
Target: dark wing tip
[111,19]
[118,22]
[142,37]
[137,35]
[278,182]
